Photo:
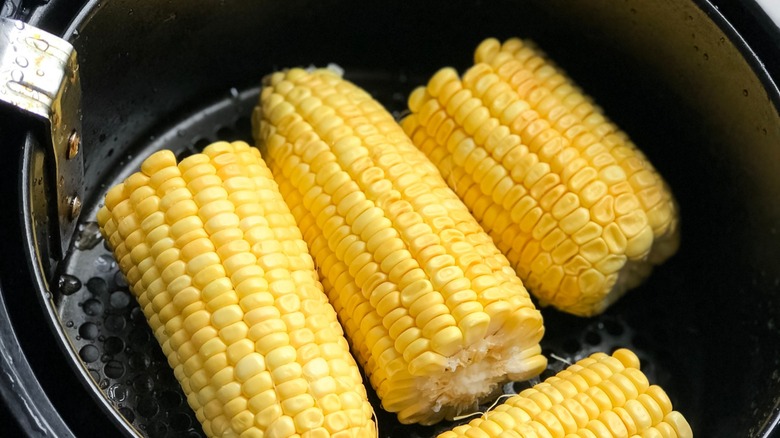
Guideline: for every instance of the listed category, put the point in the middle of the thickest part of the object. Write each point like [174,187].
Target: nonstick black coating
[176,75]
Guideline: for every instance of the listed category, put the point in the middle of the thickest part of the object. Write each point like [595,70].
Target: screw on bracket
[75,206]
[74,142]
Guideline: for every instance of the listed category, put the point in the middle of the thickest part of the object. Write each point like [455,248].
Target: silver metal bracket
[39,75]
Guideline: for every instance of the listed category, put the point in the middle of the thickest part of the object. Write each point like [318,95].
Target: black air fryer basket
[694,94]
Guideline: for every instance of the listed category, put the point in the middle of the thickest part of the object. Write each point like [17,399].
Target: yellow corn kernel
[231,294]
[575,206]
[587,411]
[432,309]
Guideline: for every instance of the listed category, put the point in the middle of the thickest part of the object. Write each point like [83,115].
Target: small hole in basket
[226,133]
[571,346]
[547,373]
[592,338]
[169,399]
[114,369]
[180,422]
[147,406]
[244,127]
[157,428]
[139,337]
[97,286]
[119,299]
[114,323]
[139,361]
[640,342]
[89,331]
[89,353]
[143,383]
[518,387]
[200,144]
[613,327]
[113,345]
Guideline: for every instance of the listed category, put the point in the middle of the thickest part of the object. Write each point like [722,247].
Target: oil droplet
[69,324]
[68,284]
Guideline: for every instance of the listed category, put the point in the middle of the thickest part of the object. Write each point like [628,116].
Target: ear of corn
[214,257]
[600,396]
[575,206]
[433,310]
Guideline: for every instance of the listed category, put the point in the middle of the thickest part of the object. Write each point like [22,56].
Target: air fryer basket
[181,74]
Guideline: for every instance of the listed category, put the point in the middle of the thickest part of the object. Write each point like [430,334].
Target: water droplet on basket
[118,393]
[113,345]
[105,263]
[89,236]
[69,324]
[21,61]
[39,43]
[17,76]
[68,284]
[40,72]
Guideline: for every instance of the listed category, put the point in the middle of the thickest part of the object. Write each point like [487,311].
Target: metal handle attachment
[39,75]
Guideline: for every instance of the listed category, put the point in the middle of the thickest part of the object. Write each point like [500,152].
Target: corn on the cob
[598,397]
[214,257]
[432,309]
[575,206]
